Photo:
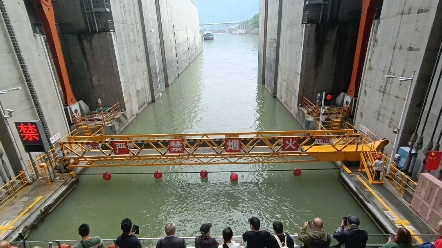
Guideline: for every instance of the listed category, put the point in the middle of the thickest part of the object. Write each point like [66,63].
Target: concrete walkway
[25,208]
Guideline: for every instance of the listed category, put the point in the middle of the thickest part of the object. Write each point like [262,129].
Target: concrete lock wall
[181,34]
[125,63]
[312,57]
[262,39]
[43,75]
[406,38]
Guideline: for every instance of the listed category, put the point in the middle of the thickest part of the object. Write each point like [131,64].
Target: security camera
[10,112]
[396,130]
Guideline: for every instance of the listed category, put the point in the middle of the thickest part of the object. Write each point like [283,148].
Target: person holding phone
[402,239]
[318,238]
[128,239]
[349,234]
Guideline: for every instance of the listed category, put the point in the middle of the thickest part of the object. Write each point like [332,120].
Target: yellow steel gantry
[217,148]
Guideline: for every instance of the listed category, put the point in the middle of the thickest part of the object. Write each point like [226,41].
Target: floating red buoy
[107,176]
[297,172]
[234,177]
[204,174]
[158,174]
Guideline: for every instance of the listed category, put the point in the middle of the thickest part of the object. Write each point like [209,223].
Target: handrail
[385,238]
[13,187]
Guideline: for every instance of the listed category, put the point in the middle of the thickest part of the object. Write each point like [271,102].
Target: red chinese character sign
[290,144]
[433,160]
[32,136]
[120,147]
[176,146]
[233,145]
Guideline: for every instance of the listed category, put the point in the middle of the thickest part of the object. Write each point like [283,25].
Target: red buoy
[234,177]
[204,174]
[107,176]
[158,174]
[297,172]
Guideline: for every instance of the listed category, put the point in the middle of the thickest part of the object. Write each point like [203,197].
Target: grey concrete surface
[406,38]
[42,73]
[271,49]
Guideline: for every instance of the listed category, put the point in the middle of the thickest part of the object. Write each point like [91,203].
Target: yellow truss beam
[215,148]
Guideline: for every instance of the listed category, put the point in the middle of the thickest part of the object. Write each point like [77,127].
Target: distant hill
[226,10]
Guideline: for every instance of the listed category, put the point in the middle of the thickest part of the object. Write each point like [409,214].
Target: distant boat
[209,36]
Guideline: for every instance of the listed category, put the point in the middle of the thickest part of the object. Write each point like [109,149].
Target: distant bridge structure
[219,23]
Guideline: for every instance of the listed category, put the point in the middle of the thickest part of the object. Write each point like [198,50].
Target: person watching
[86,241]
[127,239]
[256,238]
[204,240]
[227,237]
[402,239]
[280,238]
[318,238]
[171,241]
[378,164]
[350,235]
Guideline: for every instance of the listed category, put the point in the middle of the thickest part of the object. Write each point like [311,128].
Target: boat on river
[208,36]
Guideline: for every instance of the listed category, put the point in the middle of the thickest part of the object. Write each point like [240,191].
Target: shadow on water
[218,92]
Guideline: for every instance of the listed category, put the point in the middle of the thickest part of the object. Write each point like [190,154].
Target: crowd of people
[311,235]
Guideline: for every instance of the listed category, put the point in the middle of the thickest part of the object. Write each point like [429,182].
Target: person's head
[126,226]
[379,157]
[255,224]
[5,244]
[439,227]
[353,221]
[403,236]
[169,229]
[227,235]
[278,227]
[205,229]
[318,224]
[84,230]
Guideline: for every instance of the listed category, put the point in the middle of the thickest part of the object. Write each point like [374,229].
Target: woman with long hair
[227,237]
[402,239]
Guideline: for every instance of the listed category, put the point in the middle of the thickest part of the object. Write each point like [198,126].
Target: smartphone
[135,229]
[345,221]
[391,236]
[310,224]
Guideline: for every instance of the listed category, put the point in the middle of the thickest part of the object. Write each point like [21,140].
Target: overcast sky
[226,10]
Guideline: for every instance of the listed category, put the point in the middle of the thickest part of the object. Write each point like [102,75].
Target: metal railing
[315,111]
[374,240]
[13,187]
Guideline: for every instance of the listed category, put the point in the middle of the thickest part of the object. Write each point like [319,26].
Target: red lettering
[29,132]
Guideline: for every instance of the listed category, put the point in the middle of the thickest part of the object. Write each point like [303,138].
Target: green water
[218,92]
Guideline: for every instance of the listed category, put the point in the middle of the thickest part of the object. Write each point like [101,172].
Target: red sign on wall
[176,146]
[233,145]
[290,144]
[32,136]
[28,132]
[120,147]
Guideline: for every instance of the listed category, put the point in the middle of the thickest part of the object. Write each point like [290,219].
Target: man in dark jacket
[284,238]
[204,240]
[127,239]
[352,237]
[171,241]
[318,238]
[256,238]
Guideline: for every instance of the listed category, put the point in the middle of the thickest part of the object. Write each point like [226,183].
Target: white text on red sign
[290,143]
[233,145]
[322,141]
[176,146]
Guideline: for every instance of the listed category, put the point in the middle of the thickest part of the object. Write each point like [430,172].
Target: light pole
[401,120]
[4,117]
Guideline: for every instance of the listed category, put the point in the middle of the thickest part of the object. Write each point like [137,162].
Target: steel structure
[216,148]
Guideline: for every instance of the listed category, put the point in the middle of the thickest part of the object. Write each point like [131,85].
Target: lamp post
[5,116]
[401,120]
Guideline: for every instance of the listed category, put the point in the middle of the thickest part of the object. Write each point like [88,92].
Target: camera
[9,113]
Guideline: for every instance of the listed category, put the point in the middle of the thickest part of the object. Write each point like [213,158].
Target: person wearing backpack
[317,239]
[87,241]
[280,239]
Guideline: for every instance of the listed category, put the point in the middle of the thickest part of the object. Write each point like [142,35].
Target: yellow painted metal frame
[209,148]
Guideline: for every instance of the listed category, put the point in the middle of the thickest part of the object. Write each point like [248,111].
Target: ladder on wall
[91,18]
[24,69]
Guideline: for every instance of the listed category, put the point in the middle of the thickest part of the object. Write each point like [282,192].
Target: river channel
[218,92]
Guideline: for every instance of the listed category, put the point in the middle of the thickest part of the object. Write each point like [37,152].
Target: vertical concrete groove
[278,42]
[264,52]
[24,69]
[160,33]
[146,50]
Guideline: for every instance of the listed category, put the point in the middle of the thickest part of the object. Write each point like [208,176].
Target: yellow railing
[315,111]
[400,180]
[12,188]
